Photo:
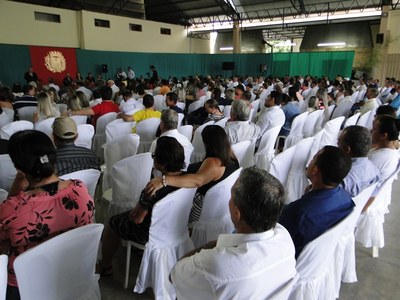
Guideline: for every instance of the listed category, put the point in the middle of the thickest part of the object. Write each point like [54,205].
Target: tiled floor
[378,278]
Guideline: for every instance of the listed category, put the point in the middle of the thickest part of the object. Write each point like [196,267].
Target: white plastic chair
[227,111]
[342,109]
[3,276]
[316,146]
[3,196]
[115,150]
[256,105]
[309,127]
[100,136]
[79,119]
[117,128]
[215,217]
[297,180]
[129,177]
[352,120]
[159,103]
[222,122]
[6,117]
[8,130]
[147,130]
[181,105]
[195,105]
[46,126]
[331,132]
[354,96]
[240,149]
[62,267]
[266,150]
[180,119]
[89,177]
[199,151]
[26,113]
[186,130]
[316,266]
[7,172]
[85,136]
[369,230]
[296,131]
[363,120]
[281,163]
[168,241]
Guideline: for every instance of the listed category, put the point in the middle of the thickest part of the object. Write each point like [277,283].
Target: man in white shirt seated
[273,115]
[168,127]
[370,103]
[255,262]
[129,105]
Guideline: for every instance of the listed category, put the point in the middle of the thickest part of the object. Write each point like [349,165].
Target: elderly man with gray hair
[239,128]
[168,127]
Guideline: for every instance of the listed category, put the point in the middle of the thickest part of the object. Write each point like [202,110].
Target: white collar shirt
[271,117]
[238,131]
[369,104]
[241,266]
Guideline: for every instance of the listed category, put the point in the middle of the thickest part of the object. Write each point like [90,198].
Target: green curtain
[14,62]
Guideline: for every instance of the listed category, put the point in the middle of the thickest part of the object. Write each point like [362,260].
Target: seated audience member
[83,87]
[385,110]
[114,89]
[171,100]
[238,128]
[134,224]
[312,104]
[290,111]
[370,103]
[141,115]
[129,105]
[84,102]
[164,87]
[216,94]
[212,108]
[70,158]
[28,99]
[343,106]
[239,90]
[6,97]
[168,127]
[325,204]
[219,163]
[40,205]
[74,103]
[273,115]
[106,106]
[356,142]
[46,108]
[384,155]
[258,258]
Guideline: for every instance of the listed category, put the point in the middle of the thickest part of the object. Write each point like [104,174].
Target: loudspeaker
[104,68]
[379,38]
[228,65]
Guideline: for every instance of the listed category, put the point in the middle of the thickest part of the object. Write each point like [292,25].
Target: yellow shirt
[145,114]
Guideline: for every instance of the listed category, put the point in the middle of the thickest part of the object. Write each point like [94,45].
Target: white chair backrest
[3,196]
[26,113]
[85,136]
[8,130]
[281,163]
[181,105]
[227,111]
[186,130]
[45,126]
[296,131]
[310,123]
[79,119]
[3,276]
[354,96]
[203,99]
[103,121]
[127,188]
[363,120]
[371,117]
[62,267]
[240,150]
[297,180]
[222,122]
[195,105]
[266,149]
[7,172]
[180,119]
[199,150]
[117,128]
[342,109]
[352,120]
[6,117]
[256,105]
[147,130]
[159,103]
[215,217]
[316,146]
[360,200]
[331,132]
[168,241]
[89,177]
[100,135]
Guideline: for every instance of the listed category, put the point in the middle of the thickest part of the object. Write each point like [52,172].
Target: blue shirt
[291,111]
[314,213]
[395,102]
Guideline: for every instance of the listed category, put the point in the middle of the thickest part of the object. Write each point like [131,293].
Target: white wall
[394,35]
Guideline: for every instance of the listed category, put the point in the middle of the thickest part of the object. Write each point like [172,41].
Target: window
[166,31]
[40,16]
[135,27]
[102,23]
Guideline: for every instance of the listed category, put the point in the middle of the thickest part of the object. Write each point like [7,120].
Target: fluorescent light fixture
[213,39]
[226,48]
[352,14]
[285,44]
[331,44]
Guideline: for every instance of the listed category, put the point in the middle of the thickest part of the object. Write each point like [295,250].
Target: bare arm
[81,112]
[138,214]
[126,118]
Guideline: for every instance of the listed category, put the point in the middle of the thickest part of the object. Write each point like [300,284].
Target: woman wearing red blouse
[40,205]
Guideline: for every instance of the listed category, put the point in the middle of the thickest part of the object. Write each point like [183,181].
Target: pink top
[29,219]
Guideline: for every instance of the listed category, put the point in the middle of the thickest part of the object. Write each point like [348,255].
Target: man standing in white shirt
[131,75]
[273,115]
[255,262]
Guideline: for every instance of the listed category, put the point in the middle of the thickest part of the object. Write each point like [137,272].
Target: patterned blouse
[28,219]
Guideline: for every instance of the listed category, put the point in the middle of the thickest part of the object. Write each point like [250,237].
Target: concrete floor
[378,278]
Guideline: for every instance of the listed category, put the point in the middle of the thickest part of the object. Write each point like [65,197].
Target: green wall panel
[14,62]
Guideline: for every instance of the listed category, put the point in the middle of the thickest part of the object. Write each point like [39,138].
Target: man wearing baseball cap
[70,158]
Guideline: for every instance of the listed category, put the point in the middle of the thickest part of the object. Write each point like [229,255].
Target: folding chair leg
[128,264]
[375,252]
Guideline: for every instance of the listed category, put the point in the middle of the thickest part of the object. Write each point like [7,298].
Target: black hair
[386,110]
[148,101]
[358,139]
[260,198]
[170,154]
[277,97]
[390,126]
[172,96]
[217,144]
[33,153]
[106,92]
